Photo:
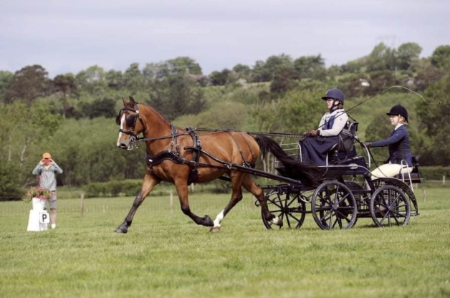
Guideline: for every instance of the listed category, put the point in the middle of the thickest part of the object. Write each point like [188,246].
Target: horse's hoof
[121,230]
[214,229]
[207,221]
[277,221]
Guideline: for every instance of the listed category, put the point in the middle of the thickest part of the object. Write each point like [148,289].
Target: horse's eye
[130,119]
[118,119]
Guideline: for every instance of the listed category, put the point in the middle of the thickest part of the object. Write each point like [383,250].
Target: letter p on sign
[44,217]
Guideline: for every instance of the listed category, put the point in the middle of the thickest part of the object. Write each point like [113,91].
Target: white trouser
[390,170]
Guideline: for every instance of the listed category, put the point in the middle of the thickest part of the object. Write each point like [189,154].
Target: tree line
[71,115]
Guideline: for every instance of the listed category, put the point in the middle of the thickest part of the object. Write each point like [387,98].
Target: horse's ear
[132,100]
[124,102]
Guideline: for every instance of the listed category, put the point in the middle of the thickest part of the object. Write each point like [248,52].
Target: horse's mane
[155,111]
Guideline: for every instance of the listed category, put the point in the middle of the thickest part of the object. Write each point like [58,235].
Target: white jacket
[340,119]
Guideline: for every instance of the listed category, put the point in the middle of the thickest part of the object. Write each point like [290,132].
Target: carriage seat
[345,148]
[415,174]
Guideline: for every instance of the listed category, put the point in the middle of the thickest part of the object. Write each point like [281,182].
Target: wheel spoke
[279,201]
[336,195]
[332,226]
[342,215]
[343,198]
[383,203]
[395,218]
[399,214]
[287,220]
[325,201]
[339,222]
[384,217]
[348,220]
[325,217]
[275,203]
[296,219]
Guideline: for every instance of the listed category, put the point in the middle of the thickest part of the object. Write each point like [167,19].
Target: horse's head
[131,124]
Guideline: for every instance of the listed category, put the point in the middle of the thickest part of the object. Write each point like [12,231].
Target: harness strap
[193,173]
[252,163]
[196,143]
[174,140]
[244,162]
[166,155]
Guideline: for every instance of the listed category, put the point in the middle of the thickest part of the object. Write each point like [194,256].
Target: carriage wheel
[333,205]
[288,207]
[389,206]
[414,209]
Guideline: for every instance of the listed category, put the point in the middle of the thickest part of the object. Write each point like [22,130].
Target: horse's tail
[269,145]
[303,170]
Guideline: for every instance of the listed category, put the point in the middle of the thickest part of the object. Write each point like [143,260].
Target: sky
[70,36]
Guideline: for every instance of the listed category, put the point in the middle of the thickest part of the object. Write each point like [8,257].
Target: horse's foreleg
[182,191]
[147,186]
[249,185]
[236,196]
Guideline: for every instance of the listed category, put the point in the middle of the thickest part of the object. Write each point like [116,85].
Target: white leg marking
[218,219]
[276,220]
[121,127]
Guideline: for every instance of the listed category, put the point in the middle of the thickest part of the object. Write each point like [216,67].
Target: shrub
[10,188]
[434,173]
[113,188]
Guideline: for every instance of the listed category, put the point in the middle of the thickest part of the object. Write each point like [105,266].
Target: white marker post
[39,218]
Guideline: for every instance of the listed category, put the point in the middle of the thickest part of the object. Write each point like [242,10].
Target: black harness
[173,152]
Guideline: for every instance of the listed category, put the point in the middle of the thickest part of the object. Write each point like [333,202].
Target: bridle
[132,125]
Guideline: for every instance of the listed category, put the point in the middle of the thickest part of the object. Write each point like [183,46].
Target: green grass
[165,254]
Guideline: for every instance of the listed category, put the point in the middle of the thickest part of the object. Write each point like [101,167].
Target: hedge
[113,188]
[434,173]
[132,187]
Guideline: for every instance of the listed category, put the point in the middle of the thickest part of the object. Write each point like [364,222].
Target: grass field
[166,255]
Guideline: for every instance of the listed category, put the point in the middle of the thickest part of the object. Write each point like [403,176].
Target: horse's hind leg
[249,185]
[236,196]
[147,186]
[182,191]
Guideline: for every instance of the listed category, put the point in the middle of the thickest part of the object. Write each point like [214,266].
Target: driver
[319,141]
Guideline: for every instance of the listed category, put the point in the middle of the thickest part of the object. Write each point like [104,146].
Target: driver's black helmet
[398,110]
[335,94]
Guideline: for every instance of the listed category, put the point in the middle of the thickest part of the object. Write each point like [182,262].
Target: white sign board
[44,217]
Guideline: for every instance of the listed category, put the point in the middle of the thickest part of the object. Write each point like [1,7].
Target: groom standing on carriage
[315,147]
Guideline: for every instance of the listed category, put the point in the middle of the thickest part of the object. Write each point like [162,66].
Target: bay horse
[172,156]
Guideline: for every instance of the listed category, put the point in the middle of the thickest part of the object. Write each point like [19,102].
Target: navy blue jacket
[398,146]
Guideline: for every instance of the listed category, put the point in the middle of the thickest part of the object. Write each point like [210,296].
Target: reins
[143,139]
[277,134]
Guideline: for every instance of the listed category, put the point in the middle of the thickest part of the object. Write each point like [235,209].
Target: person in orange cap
[47,170]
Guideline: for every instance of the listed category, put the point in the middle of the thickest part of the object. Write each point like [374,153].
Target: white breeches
[390,170]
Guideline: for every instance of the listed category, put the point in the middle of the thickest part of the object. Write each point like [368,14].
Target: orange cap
[46,155]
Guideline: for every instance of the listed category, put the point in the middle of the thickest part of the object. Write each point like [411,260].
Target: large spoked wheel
[389,206]
[333,205]
[288,207]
